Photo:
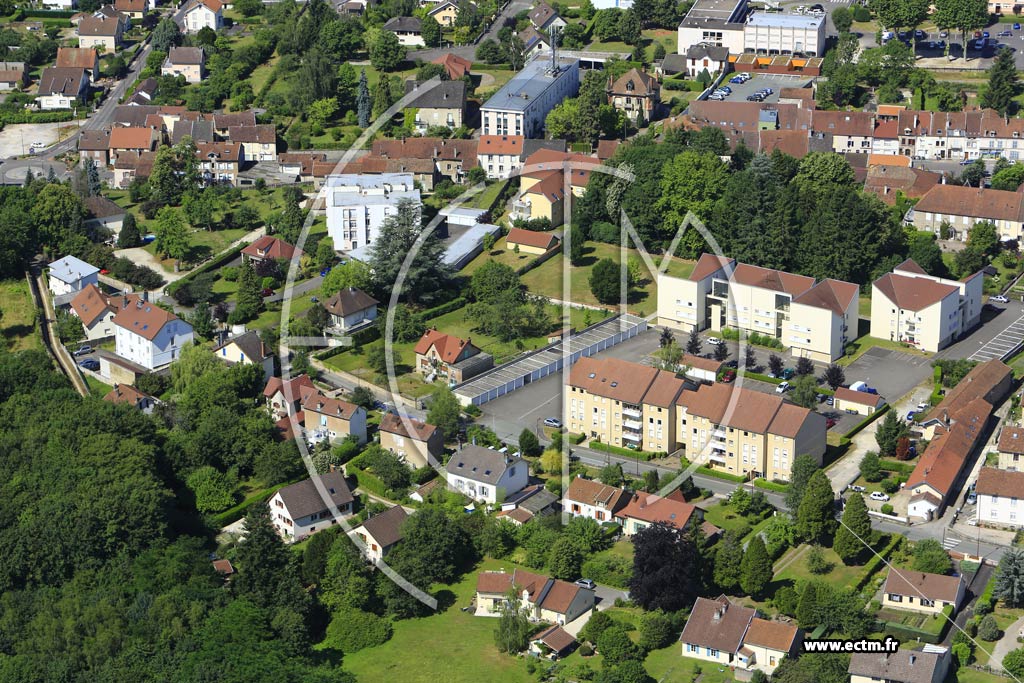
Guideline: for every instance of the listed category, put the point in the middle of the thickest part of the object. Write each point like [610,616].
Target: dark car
[831,422]
[90,364]
[267,291]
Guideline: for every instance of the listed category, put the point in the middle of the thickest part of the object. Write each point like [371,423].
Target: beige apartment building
[813,319]
[960,207]
[746,432]
[623,404]
[908,305]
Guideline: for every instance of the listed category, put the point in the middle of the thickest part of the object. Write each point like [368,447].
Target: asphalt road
[469,51]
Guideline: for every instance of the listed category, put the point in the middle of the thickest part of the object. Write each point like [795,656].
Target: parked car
[1005,33]
[788,373]
[1016,27]
[911,415]
[83,350]
[782,388]
[717,97]
[972,498]
[715,341]
[586,583]
[999,299]
[830,401]
[919,34]
[726,89]
[728,376]
[323,273]
[552,422]
[878,495]
[755,98]
[985,34]
[267,291]
[90,364]
[856,487]
[831,422]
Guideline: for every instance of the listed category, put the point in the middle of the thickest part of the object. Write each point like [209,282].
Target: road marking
[529,412]
[951,543]
[1002,343]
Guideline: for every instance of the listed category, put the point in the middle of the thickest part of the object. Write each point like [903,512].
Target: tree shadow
[198,253]
[589,257]
[445,599]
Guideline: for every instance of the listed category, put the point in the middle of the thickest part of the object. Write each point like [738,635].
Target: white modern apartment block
[148,335]
[713,22]
[357,205]
[1000,497]
[768,33]
[485,474]
[908,305]
[814,319]
[522,104]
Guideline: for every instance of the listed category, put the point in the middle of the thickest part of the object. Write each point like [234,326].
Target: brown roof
[304,159]
[664,390]
[223,567]
[741,408]
[61,80]
[884,181]
[130,5]
[541,14]
[212,5]
[531,238]
[1011,439]
[427,148]
[393,424]
[634,83]
[857,123]
[701,363]
[948,450]
[521,515]
[652,508]
[219,151]
[240,118]
[142,317]
[500,144]
[556,638]
[591,492]
[296,387]
[1005,483]
[546,162]
[790,419]
[349,301]
[717,624]
[768,278]
[270,247]
[773,635]
[448,347]
[988,380]
[304,499]
[902,666]
[105,27]
[559,596]
[861,397]
[185,55]
[613,378]
[835,295]
[90,304]
[455,66]
[263,133]
[606,148]
[913,293]
[101,207]
[493,582]
[958,200]
[94,140]
[921,584]
[709,264]
[319,403]
[125,393]
[386,528]
[802,94]
[132,138]
[501,582]
[77,57]
[910,266]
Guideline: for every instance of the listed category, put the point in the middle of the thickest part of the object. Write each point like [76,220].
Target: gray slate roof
[411,24]
[386,527]
[349,301]
[700,51]
[442,95]
[902,666]
[250,343]
[302,499]
[185,55]
[199,131]
[481,464]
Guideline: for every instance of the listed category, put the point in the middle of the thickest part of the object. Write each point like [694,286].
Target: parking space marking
[1001,344]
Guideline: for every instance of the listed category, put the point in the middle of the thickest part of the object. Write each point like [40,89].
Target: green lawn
[18,317]
[413,655]
[864,306]
[864,343]
[725,517]
[488,196]
[546,279]
[502,255]
[669,666]
[839,576]
[96,387]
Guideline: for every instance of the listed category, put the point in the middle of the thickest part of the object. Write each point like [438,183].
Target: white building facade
[522,104]
[357,205]
[148,335]
[784,34]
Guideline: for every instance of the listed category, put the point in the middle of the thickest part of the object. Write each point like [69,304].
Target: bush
[989,629]
[612,570]
[983,607]
[861,13]
[890,485]
[886,509]
[352,630]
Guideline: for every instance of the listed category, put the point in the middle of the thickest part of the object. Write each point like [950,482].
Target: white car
[878,495]
[715,341]
[999,299]
[782,388]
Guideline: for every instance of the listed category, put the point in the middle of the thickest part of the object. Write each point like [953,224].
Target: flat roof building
[713,22]
[769,33]
[521,105]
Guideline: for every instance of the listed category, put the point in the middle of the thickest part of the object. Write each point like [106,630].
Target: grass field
[725,517]
[502,255]
[18,317]
[839,576]
[96,387]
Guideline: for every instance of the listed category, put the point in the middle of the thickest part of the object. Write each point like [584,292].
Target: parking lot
[1001,328]
[893,373]
[774,81]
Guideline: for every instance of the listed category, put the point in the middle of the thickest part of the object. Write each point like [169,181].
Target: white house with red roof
[148,335]
[285,397]
[333,419]
[588,498]
[200,14]
[545,599]
[732,635]
[645,509]
[269,248]
[445,356]
[96,311]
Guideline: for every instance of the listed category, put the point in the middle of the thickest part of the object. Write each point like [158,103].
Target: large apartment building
[734,430]
[357,205]
[959,207]
[521,105]
[908,305]
[814,319]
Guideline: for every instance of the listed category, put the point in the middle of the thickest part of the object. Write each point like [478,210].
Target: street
[509,12]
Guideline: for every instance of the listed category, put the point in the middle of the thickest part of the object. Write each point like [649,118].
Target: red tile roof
[448,347]
[335,407]
[1011,439]
[90,304]
[125,393]
[860,397]
[595,493]
[272,248]
[456,67]
[531,238]
[913,293]
[995,482]
[773,635]
[708,264]
[500,144]
[132,138]
[77,57]
[297,387]
[649,507]
[142,317]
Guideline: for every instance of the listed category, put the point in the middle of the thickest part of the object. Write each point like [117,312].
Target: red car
[728,376]
[104,271]
[267,292]
[831,422]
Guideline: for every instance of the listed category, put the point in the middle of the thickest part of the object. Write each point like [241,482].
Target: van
[858,386]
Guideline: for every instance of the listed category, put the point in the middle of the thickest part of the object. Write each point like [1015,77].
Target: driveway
[1006,644]
[1001,325]
[140,257]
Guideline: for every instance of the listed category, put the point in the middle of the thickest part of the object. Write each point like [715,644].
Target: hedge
[753,338]
[577,438]
[628,452]
[896,466]
[47,14]
[366,481]
[437,311]
[933,635]
[762,378]
[936,397]
[360,338]
[866,421]
[707,471]
[771,485]
[26,116]
[876,562]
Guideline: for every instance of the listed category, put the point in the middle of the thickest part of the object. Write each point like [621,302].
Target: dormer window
[629,86]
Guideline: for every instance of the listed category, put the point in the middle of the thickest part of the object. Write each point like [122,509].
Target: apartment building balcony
[630,436]
[521,209]
[632,411]
[718,433]
[635,425]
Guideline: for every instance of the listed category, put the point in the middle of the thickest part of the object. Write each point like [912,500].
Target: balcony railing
[633,424]
[629,436]
[632,412]
[521,209]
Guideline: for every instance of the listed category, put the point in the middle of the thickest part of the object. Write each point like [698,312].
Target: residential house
[199,129]
[592,499]
[545,599]
[380,533]
[814,319]
[350,309]
[247,349]
[127,168]
[732,635]
[486,475]
[102,215]
[448,357]
[454,66]
[189,62]
[928,312]
[1011,447]
[530,241]
[285,397]
[62,88]
[69,275]
[259,142]
[437,104]
[553,641]
[13,75]
[200,14]
[520,106]
[1000,497]
[144,92]
[357,205]
[333,419]
[302,509]
[80,58]
[415,442]
[535,43]
[544,18]
[700,57]
[542,184]
[636,93]
[220,162]
[527,503]
[622,404]
[644,509]
[921,591]
[299,164]
[961,206]
[852,132]
[445,13]
[890,182]
[746,432]
[128,395]
[96,311]
[148,335]
[422,494]
[408,29]
[902,666]
[270,248]
[132,142]
[451,158]
[223,123]
[955,428]
[94,144]
[100,32]
[500,155]
[133,9]
[860,402]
